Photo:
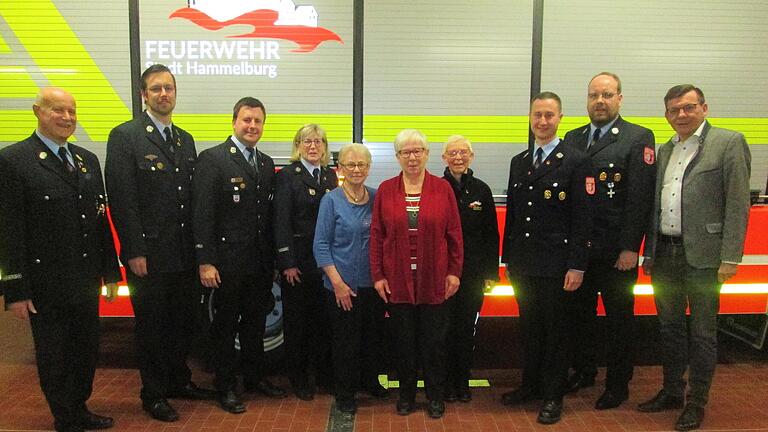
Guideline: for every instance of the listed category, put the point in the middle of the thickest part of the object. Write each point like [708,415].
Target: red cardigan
[439,248]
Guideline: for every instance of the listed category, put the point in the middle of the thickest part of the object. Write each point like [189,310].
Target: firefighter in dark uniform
[148,174]
[480,232]
[56,251]
[623,161]
[300,186]
[546,247]
[233,193]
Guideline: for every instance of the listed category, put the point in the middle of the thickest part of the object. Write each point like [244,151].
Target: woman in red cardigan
[416,258]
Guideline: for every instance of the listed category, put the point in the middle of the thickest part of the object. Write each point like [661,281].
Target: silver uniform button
[527,235]
[85,255]
[528,219]
[530,187]
[223,239]
[46,197]
[177,170]
[79,197]
[179,187]
[182,224]
[37,261]
[530,203]
[181,206]
[82,216]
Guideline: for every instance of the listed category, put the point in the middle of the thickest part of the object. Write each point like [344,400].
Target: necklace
[352,197]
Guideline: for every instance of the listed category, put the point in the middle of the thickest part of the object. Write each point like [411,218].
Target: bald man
[56,251]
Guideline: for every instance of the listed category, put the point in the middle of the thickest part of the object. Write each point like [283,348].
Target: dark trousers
[420,333]
[306,330]
[66,337]
[357,342]
[165,311]
[543,310]
[617,291]
[463,310]
[686,341]
[241,303]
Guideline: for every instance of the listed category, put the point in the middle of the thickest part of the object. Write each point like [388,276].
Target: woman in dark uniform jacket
[299,188]
[481,262]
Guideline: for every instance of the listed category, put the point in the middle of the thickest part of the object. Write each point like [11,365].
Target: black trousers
[420,332]
[463,310]
[357,342]
[165,307]
[306,330]
[616,288]
[66,337]
[543,309]
[241,303]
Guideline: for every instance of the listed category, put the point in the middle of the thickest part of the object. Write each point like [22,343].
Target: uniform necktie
[168,138]
[595,138]
[316,175]
[539,157]
[65,161]
[252,159]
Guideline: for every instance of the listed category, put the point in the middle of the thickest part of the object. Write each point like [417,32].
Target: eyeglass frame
[359,165]
[417,153]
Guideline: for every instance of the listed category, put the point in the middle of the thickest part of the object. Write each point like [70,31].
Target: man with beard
[624,169]
[148,174]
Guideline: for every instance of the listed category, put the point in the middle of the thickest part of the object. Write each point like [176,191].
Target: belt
[673,240]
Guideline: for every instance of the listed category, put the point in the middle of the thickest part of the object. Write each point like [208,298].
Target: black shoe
[578,381]
[518,396]
[404,407]
[435,409]
[347,406]
[59,427]
[661,402]
[550,412]
[90,421]
[611,399]
[267,389]
[378,391]
[304,393]
[464,395]
[193,392]
[450,395]
[161,410]
[691,418]
[229,402]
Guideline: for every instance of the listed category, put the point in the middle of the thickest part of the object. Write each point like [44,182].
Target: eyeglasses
[688,109]
[605,95]
[158,88]
[308,142]
[417,152]
[352,165]
[454,153]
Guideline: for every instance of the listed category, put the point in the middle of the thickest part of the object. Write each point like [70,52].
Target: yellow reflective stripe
[497,129]
[16,125]
[4,48]
[50,42]
[514,129]
[16,82]
[645,289]
[278,128]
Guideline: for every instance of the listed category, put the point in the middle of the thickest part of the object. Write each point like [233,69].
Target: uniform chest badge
[589,183]
[476,205]
[649,156]
[232,150]
[615,131]
[101,209]
[77,156]
[42,155]
[236,198]
[236,179]
[150,157]
[561,196]
[160,165]
[603,176]
[298,170]
[312,192]
[559,155]
[150,129]
[617,177]
[547,194]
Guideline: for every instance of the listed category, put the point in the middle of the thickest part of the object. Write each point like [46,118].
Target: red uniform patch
[590,185]
[649,156]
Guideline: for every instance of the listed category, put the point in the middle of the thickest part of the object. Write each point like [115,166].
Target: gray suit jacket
[715,199]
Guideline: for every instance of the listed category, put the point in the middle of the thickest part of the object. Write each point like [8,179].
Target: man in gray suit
[694,245]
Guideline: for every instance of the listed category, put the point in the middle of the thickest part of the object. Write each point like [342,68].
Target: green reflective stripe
[50,42]
[15,82]
[16,125]
[278,128]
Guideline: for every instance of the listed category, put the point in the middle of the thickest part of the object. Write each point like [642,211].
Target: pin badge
[617,177]
[78,157]
[554,184]
[561,196]
[236,198]
[298,169]
[160,165]
[232,150]
[603,176]
[559,155]
[83,169]
[547,194]
[42,155]
[312,192]
[242,185]
[150,129]
[236,179]
[547,162]
[150,157]
[615,131]
[327,190]
[610,165]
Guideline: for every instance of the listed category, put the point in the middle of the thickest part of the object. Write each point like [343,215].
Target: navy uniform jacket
[624,168]
[297,201]
[232,216]
[54,232]
[479,226]
[150,194]
[549,214]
